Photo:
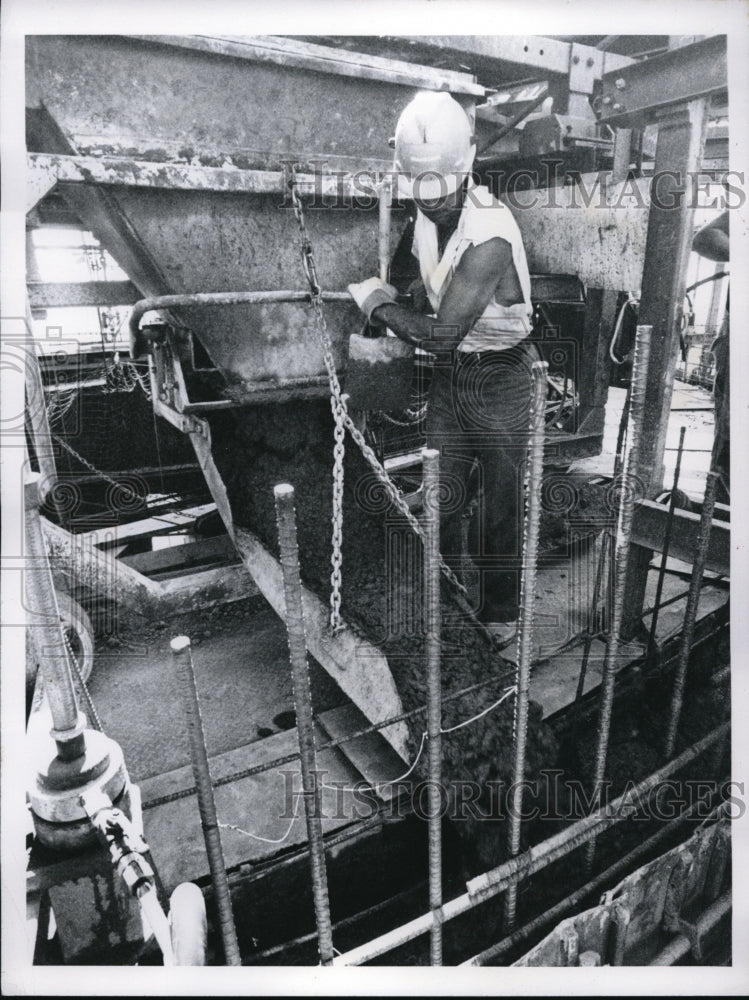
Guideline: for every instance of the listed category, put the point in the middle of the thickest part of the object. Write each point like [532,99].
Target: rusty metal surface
[169,99]
[605,239]
[211,247]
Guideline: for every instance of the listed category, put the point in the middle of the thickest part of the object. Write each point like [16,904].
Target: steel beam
[530,51]
[633,94]
[45,170]
[678,155]
[650,527]
[48,295]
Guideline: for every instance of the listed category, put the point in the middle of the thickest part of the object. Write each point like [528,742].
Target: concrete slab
[266,809]
[244,682]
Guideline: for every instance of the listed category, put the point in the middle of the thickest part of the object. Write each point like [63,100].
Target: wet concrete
[382,586]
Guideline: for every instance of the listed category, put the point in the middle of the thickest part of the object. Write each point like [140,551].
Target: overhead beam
[537,52]
[632,95]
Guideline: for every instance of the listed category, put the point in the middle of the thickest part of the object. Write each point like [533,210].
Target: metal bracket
[169,390]
[586,67]
[632,94]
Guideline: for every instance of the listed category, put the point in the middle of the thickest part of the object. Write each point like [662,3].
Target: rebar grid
[535,859]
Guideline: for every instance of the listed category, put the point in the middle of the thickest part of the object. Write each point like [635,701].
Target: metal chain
[340,409]
[337,405]
[123,377]
[91,468]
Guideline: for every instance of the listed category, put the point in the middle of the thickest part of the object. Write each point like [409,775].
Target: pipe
[690,613]
[681,945]
[292,585]
[535,859]
[431,480]
[625,519]
[216,299]
[613,872]
[68,721]
[384,207]
[666,548]
[312,386]
[182,658]
[534,476]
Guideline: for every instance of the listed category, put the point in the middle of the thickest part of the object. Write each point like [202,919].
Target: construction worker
[477,286]
[712,242]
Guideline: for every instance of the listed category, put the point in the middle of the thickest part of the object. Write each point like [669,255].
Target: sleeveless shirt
[483,218]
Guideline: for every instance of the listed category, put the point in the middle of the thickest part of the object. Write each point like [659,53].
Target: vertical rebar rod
[432,623]
[666,547]
[690,614]
[54,653]
[592,631]
[532,520]
[182,658]
[625,517]
[311,792]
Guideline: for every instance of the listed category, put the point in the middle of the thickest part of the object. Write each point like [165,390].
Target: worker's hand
[419,299]
[372,293]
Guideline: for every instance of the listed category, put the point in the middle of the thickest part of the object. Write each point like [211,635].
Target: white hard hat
[434,147]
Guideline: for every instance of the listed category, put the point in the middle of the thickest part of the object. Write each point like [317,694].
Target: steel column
[678,154]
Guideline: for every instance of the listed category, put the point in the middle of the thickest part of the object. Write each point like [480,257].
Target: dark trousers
[478,419]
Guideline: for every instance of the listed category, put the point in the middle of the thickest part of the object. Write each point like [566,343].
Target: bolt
[589,62]
[606,100]
[576,60]
[618,107]
[620,83]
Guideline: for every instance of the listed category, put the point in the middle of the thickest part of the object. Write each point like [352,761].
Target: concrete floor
[698,440]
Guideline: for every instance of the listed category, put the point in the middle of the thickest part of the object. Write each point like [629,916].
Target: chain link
[343,419]
[127,490]
[337,405]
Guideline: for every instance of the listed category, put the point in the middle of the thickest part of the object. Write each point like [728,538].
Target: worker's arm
[712,240]
[470,291]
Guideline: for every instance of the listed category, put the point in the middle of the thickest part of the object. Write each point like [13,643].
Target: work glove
[372,293]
